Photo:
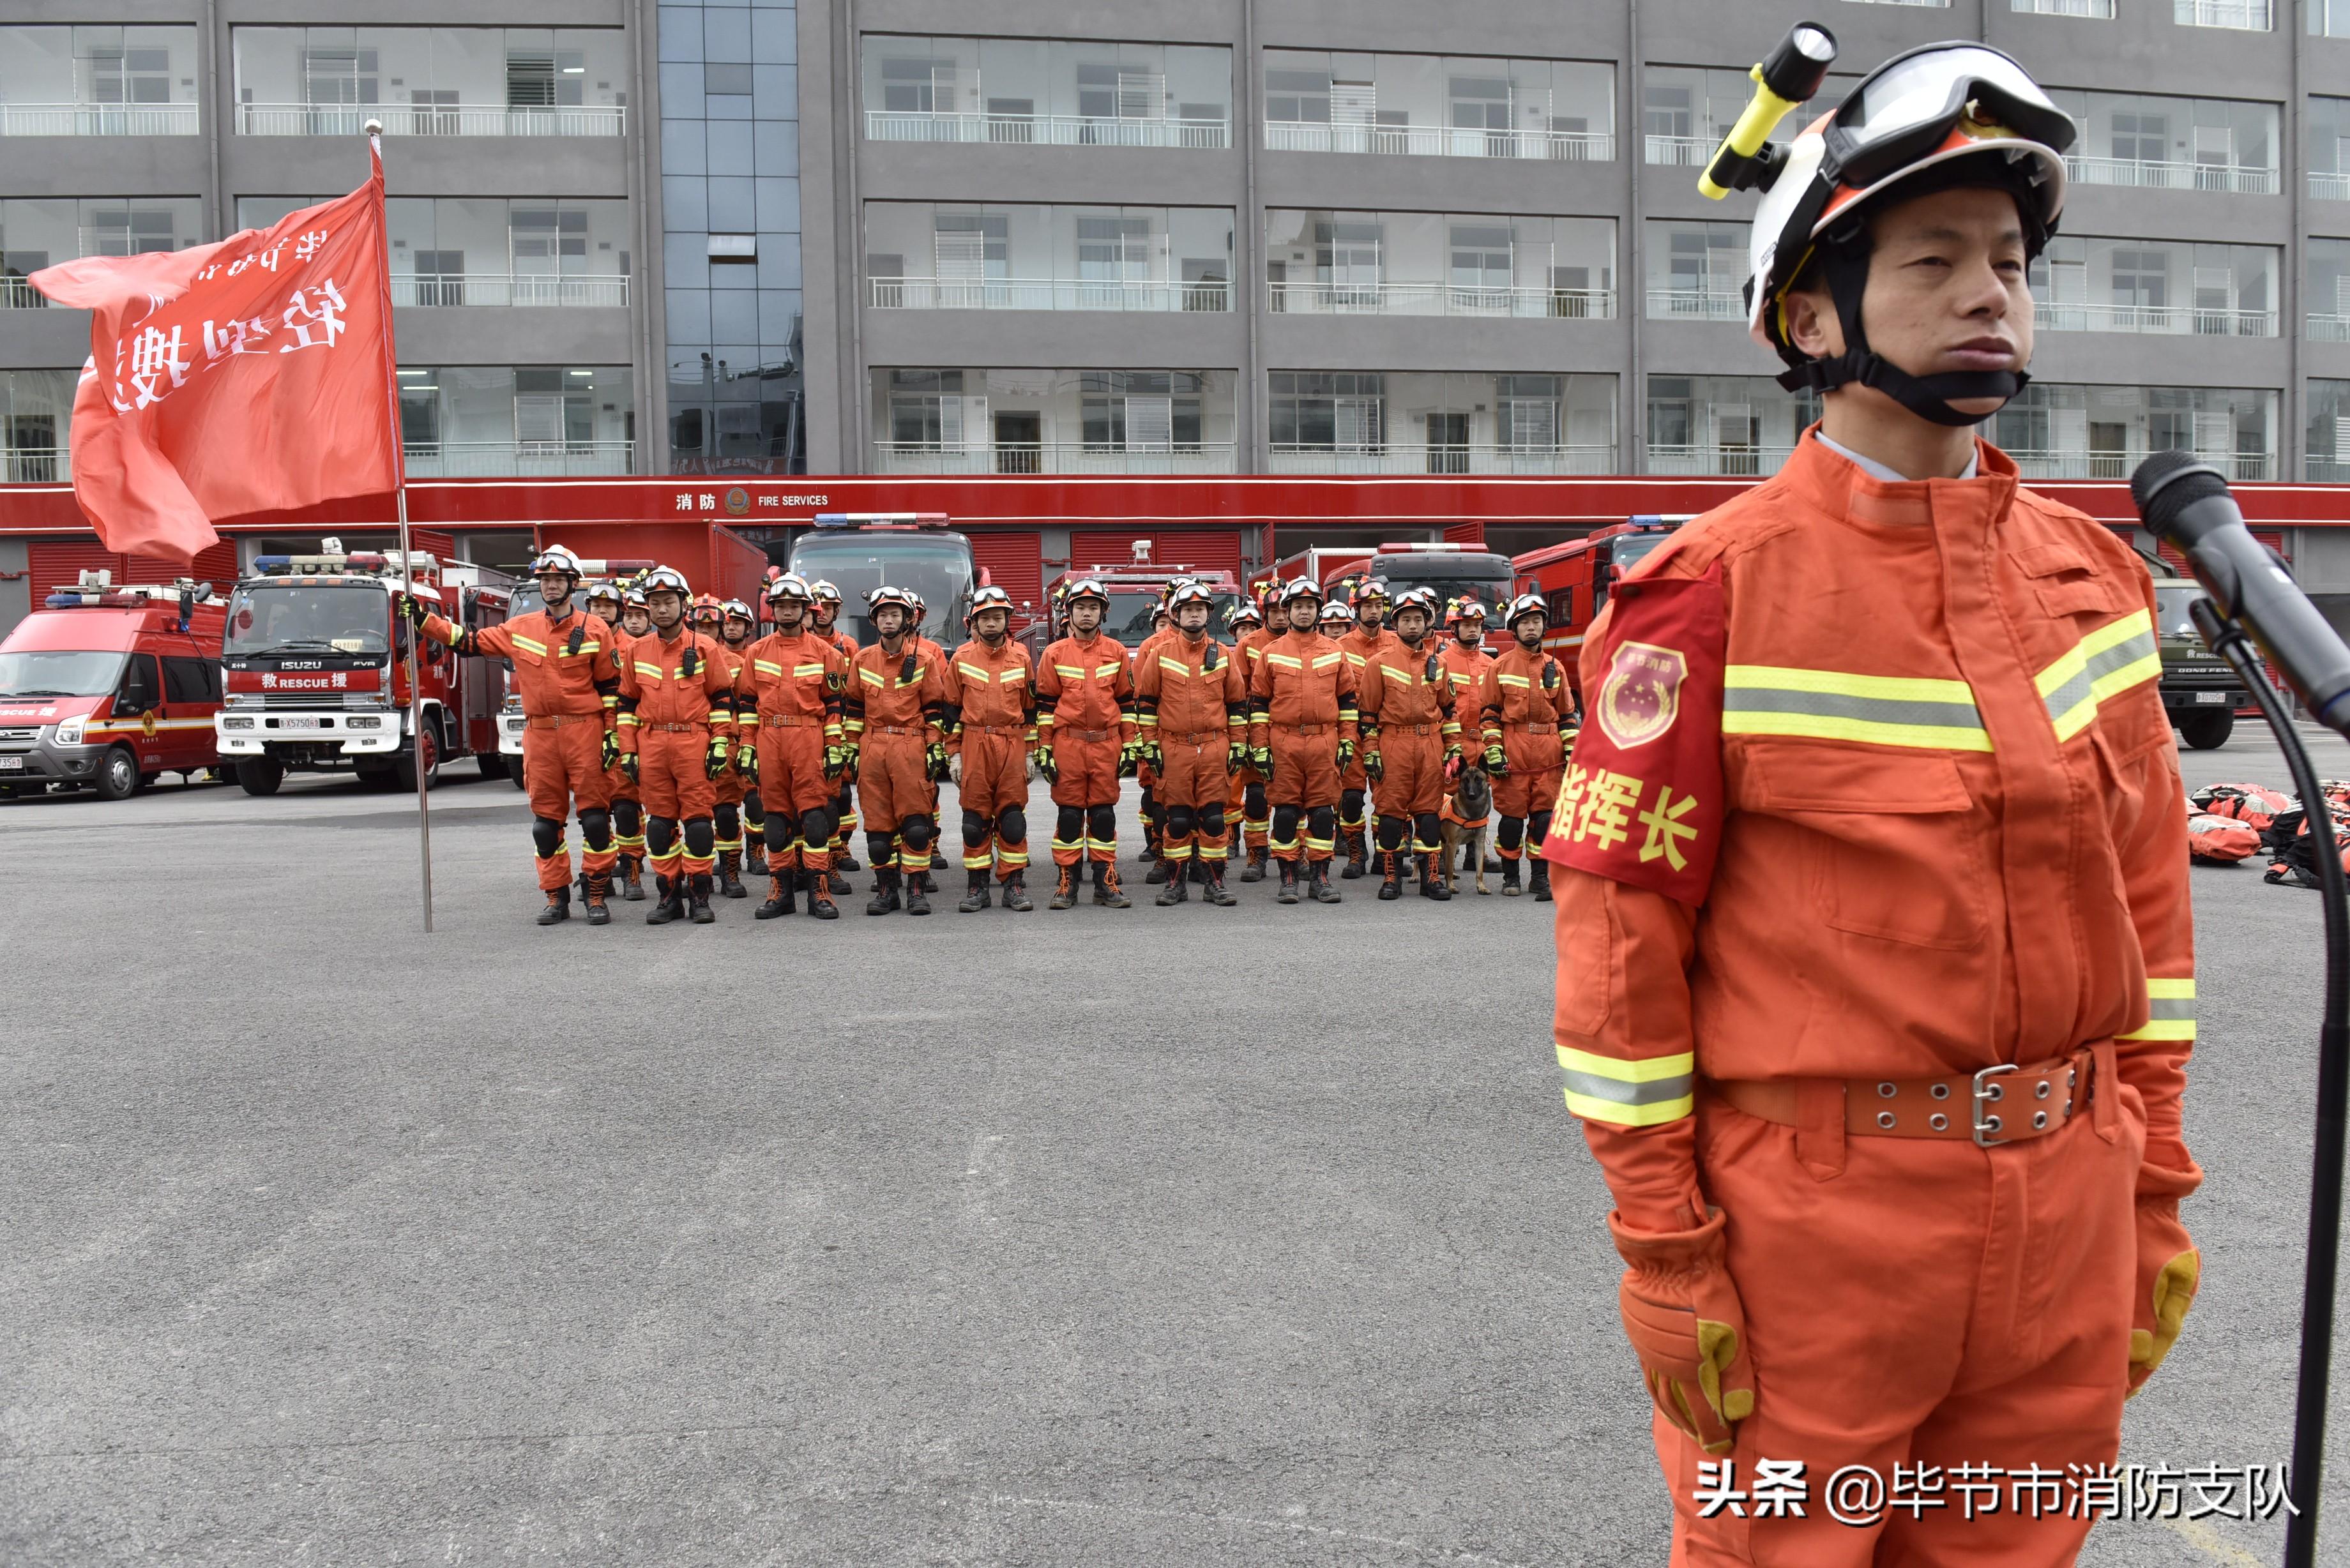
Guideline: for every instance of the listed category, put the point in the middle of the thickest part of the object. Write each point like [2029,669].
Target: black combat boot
[1432,885]
[1355,854]
[1015,893]
[1319,885]
[700,891]
[1541,880]
[1255,870]
[833,881]
[1065,888]
[668,902]
[1106,888]
[917,900]
[937,863]
[754,856]
[1216,892]
[819,889]
[1390,873]
[599,888]
[885,892]
[1177,889]
[974,897]
[1288,894]
[559,906]
[842,860]
[779,902]
[1510,888]
[729,874]
[633,883]
[1157,872]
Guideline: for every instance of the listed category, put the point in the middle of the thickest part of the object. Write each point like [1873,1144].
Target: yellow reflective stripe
[766,667]
[1628,1069]
[2110,660]
[1638,1093]
[2170,1011]
[973,671]
[1325,661]
[533,644]
[869,677]
[1109,668]
[2170,990]
[1287,662]
[803,671]
[1069,672]
[1174,665]
[1012,675]
[652,670]
[1838,705]
[1513,680]
[1393,673]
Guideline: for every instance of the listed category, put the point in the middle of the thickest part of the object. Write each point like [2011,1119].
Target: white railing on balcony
[2095,10]
[18,294]
[2182,320]
[1051,457]
[2328,470]
[97,119]
[1440,299]
[1926,5]
[1682,152]
[2240,179]
[429,120]
[1439,142]
[1049,294]
[1695,304]
[1738,462]
[2329,329]
[35,465]
[1441,459]
[2244,15]
[467,459]
[1044,129]
[430,289]
[2237,465]
[2329,187]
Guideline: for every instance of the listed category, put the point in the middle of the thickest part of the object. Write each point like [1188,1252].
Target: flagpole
[407,552]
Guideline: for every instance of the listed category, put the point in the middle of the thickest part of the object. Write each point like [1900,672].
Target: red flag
[249,376]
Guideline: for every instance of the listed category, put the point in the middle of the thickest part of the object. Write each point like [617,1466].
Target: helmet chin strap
[1928,396]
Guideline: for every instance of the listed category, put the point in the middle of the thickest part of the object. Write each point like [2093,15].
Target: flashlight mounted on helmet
[1783,79]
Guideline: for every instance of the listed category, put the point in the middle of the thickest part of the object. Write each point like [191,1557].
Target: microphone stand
[2228,639]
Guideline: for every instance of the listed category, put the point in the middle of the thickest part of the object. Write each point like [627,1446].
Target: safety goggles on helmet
[990,598]
[1242,614]
[664,580]
[1526,605]
[634,597]
[1902,113]
[823,592]
[790,586]
[555,558]
[1190,593]
[1464,609]
[1300,589]
[1421,599]
[1372,592]
[1087,588]
[887,595]
[737,610]
[1335,613]
[599,589]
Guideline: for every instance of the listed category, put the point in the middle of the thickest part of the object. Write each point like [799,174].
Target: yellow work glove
[2169,1270]
[1682,1315]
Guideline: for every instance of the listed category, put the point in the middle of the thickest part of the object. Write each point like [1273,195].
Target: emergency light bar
[1665,519]
[609,569]
[1415,549]
[368,561]
[884,519]
[108,595]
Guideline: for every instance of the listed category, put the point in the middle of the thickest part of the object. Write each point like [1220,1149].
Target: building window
[2329,18]
[1062,92]
[2059,431]
[1439,422]
[2172,143]
[1696,271]
[1052,421]
[1434,106]
[1740,425]
[2095,10]
[2241,15]
[530,420]
[2327,444]
[431,82]
[98,80]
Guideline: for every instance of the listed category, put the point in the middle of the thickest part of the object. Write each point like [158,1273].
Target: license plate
[12,764]
[301,723]
[2210,696]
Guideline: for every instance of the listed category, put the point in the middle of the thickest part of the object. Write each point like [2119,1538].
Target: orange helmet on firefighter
[1523,606]
[706,607]
[1421,599]
[790,586]
[633,597]
[887,595]
[1370,590]
[1190,591]
[1085,588]
[989,598]
[1468,606]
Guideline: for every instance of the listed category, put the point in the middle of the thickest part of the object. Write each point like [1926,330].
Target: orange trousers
[670,777]
[1412,781]
[1537,762]
[1086,761]
[560,765]
[791,785]
[994,776]
[891,778]
[1304,765]
[1194,779]
[1917,1301]
[1255,831]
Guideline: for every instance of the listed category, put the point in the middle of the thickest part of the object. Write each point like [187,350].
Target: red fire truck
[1137,587]
[106,688]
[316,661]
[1447,570]
[1573,577]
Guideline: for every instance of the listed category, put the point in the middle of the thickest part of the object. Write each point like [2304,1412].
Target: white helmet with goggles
[790,586]
[554,559]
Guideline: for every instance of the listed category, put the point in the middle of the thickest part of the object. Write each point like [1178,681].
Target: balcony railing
[2095,10]
[2244,15]
[18,294]
[2328,470]
[467,459]
[1440,299]
[1740,462]
[35,464]
[97,119]
[430,119]
[1442,459]
[2329,329]
[1051,457]
[2243,179]
[1695,304]
[1050,294]
[473,288]
[1044,129]
[2329,187]
[2237,465]
[1439,142]
[1682,152]
[2182,320]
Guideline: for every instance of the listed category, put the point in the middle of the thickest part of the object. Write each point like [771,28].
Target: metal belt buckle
[1986,1094]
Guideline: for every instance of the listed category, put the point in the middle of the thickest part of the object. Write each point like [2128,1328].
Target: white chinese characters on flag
[253,375]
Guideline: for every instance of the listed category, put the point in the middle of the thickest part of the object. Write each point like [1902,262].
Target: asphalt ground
[1248,1236]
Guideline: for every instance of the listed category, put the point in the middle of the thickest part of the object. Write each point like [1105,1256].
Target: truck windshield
[2170,609]
[938,569]
[308,619]
[59,674]
[1629,550]
[1492,592]
[526,598]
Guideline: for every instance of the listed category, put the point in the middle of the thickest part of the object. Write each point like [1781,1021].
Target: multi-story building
[1299,236]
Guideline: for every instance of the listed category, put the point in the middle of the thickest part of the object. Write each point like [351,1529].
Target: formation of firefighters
[687,741]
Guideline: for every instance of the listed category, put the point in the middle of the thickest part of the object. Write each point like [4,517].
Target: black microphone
[2186,503]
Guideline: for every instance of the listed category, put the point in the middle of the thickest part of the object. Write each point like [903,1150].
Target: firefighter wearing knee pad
[1875,969]
[1302,733]
[1338,625]
[1253,833]
[740,630]
[708,617]
[565,674]
[894,719]
[1411,737]
[933,652]
[1370,600]
[1086,743]
[788,700]
[844,804]
[628,801]
[990,753]
[1465,661]
[1526,710]
[1191,708]
[676,736]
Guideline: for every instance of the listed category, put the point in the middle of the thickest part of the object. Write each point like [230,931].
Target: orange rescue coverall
[1354,785]
[1527,709]
[1409,724]
[1085,690]
[994,732]
[569,683]
[844,801]
[1466,666]
[676,696]
[1244,801]
[733,785]
[789,696]
[1302,706]
[628,800]
[894,711]
[1916,1051]
[1193,704]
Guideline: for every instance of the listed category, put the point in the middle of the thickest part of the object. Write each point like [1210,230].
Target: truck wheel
[117,776]
[492,763]
[423,757]
[260,775]
[2208,732]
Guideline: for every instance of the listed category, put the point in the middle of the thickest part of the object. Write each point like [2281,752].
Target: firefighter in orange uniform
[1154,809]
[991,752]
[1086,743]
[1528,716]
[1192,703]
[1411,739]
[936,765]
[1302,735]
[1465,661]
[627,804]
[606,601]
[564,675]
[1368,600]
[843,804]
[740,627]
[732,783]
[1875,969]
[1253,831]
[677,733]
[787,701]
[894,720]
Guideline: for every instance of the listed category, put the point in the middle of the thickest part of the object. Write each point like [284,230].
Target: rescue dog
[1467,816]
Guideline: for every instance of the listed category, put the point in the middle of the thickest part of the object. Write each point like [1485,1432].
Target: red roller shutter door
[1203,550]
[217,565]
[1465,534]
[59,563]
[1013,562]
